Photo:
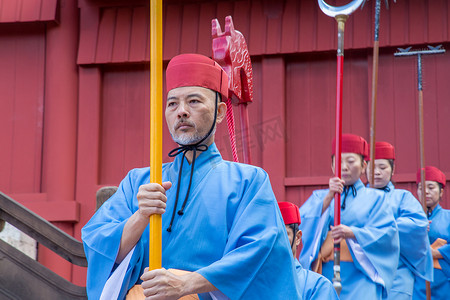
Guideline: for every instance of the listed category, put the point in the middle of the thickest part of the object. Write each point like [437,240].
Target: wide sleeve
[314,286]
[257,261]
[379,241]
[101,240]
[322,288]
[445,250]
[415,249]
[314,226]
[445,261]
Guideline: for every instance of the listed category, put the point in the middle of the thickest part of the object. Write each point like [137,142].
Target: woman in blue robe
[313,285]
[226,230]
[439,236]
[412,223]
[368,229]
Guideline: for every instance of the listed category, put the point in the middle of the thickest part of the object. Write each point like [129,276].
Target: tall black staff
[419,53]
[341,15]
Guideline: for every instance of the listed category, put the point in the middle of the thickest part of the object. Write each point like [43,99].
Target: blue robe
[314,286]
[374,227]
[439,228]
[415,252]
[231,233]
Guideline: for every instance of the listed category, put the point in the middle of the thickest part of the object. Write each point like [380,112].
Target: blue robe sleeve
[379,241]
[445,261]
[257,252]
[445,252]
[310,215]
[315,286]
[101,240]
[320,288]
[414,243]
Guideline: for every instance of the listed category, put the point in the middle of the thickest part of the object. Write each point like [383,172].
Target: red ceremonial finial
[230,51]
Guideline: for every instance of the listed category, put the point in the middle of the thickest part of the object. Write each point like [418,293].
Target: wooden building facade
[74,108]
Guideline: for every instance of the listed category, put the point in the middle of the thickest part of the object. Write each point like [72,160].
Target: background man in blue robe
[220,219]
[313,285]
[412,223]
[369,235]
[439,236]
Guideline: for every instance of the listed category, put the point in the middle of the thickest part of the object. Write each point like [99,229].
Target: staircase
[21,277]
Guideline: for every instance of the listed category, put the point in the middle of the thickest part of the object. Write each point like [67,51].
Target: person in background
[313,285]
[439,236]
[368,233]
[103,194]
[412,223]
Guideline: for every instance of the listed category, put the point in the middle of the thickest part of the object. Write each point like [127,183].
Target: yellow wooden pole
[155,124]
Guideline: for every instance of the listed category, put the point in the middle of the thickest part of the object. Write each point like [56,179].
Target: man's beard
[186,139]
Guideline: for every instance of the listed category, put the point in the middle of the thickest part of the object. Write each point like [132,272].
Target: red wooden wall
[21,113]
[74,113]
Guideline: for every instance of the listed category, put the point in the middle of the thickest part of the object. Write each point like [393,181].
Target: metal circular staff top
[333,11]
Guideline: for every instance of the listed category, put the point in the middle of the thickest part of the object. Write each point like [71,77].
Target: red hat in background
[290,213]
[432,174]
[196,70]
[352,143]
[384,150]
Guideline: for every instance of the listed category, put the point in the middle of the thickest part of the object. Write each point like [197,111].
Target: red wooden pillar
[271,135]
[88,146]
[60,121]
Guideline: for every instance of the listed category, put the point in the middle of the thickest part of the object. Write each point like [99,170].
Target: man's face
[433,193]
[290,233]
[382,173]
[291,237]
[190,113]
[351,167]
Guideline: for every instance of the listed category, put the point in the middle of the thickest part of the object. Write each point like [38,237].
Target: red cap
[290,213]
[384,150]
[432,174]
[196,70]
[352,143]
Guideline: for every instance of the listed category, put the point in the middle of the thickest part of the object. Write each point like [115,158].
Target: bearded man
[220,219]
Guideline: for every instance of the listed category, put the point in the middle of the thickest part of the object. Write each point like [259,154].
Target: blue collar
[358,185]
[387,189]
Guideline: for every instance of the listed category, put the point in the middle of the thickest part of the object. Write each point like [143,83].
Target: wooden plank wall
[21,107]
[27,10]
[120,33]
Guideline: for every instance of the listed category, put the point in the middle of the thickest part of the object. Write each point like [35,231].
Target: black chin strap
[184,149]
[429,212]
[292,244]
[346,190]
[386,189]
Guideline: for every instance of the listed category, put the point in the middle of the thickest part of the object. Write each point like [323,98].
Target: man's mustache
[184,122]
